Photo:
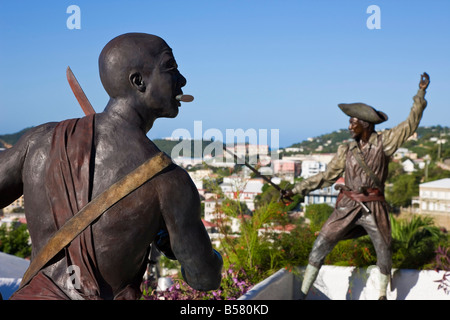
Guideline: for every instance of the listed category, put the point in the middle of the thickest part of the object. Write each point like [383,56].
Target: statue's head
[141,69]
[362,117]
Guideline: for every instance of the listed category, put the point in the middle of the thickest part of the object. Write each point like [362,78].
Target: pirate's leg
[383,251]
[384,263]
[321,248]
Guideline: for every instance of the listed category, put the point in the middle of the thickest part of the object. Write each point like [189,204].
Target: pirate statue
[90,223]
[361,207]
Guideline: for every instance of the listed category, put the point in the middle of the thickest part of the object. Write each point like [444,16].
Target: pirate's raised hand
[424,81]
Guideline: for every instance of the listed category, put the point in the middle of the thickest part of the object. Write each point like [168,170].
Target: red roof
[288,227]
[208,224]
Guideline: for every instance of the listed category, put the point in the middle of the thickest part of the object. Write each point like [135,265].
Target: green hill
[425,143]
[8,140]
[168,145]
[326,143]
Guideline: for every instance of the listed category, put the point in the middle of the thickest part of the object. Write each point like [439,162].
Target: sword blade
[79,93]
[239,160]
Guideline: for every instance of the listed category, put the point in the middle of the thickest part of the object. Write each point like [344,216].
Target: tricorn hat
[364,112]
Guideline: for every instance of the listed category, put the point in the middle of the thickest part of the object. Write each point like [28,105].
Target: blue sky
[251,64]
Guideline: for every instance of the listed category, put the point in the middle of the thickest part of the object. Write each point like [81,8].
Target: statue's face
[356,128]
[163,84]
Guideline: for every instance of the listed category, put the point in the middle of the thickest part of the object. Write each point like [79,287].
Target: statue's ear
[137,81]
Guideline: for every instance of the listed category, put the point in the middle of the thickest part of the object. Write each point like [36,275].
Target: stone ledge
[350,283]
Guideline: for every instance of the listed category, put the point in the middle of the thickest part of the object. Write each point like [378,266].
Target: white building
[434,200]
[420,163]
[290,168]
[211,207]
[11,219]
[213,213]
[17,204]
[218,162]
[250,152]
[312,167]
[312,164]
[408,166]
[434,196]
[242,189]
[198,176]
[293,150]
[187,162]
[326,195]
[404,152]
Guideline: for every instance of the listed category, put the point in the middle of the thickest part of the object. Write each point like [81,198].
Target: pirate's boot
[308,280]
[384,280]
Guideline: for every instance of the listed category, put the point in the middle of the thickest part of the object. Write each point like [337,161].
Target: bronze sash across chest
[367,194]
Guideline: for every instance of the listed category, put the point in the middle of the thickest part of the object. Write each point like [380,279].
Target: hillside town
[291,165]
[433,199]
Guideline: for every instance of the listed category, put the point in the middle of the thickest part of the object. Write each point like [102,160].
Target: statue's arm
[395,137]
[180,204]
[11,165]
[13,160]
[335,169]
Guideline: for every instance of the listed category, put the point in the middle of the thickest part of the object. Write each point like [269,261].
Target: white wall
[349,283]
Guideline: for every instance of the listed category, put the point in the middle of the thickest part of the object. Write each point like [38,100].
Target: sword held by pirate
[243,161]
[87,108]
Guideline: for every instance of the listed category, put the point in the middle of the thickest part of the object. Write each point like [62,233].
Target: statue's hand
[424,81]
[162,243]
[286,195]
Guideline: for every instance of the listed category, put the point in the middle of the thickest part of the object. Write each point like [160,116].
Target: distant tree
[395,170]
[212,185]
[234,208]
[404,188]
[270,194]
[15,240]
[436,173]
[318,214]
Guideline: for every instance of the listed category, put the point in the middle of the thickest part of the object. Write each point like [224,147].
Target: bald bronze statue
[60,167]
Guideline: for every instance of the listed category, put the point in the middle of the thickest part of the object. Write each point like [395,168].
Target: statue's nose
[182,80]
